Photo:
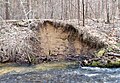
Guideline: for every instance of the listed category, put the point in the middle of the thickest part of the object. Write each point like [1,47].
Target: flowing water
[68,75]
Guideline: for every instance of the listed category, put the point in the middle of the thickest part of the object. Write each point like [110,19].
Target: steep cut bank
[36,41]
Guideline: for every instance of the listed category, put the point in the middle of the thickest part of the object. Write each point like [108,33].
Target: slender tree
[66,10]
[107,11]
[83,12]
[119,7]
[28,8]
[79,12]
[7,10]
[113,10]
[86,11]
[61,9]
[45,8]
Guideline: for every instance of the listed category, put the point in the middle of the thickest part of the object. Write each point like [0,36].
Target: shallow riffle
[76,74]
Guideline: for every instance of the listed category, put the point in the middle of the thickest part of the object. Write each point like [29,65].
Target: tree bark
[7,10]
[86,11]
[28,8]
[119,7]
[62,9]
[78,12]
[83,12]
[107,12]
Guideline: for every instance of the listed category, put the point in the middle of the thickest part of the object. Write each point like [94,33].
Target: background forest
[60,9]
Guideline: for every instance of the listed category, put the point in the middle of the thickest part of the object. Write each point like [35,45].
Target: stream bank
[37,41]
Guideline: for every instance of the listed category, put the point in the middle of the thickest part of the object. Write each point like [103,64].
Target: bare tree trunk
[83,12]
[52,9]
[99,7]
[92,11]
[102,10]
[78,12]
[66,9]
[119,7]
[45,9]
[113,10]
[69,9]
[62,9]
[86,11]
[7,10]
[28,8]
[107,11]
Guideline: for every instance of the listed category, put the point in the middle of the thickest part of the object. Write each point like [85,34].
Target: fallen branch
[113,54]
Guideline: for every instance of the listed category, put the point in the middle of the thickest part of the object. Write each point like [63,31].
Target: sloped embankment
[36,41]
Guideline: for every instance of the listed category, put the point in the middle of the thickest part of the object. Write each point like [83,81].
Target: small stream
[70,75]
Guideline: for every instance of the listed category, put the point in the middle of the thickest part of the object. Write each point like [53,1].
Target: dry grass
[17,43]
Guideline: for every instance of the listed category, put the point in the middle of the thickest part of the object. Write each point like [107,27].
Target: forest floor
[112,29]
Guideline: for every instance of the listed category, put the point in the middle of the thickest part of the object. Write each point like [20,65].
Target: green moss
[100,52]
[95,63]
[113,64]
[33,59]
[109,64]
